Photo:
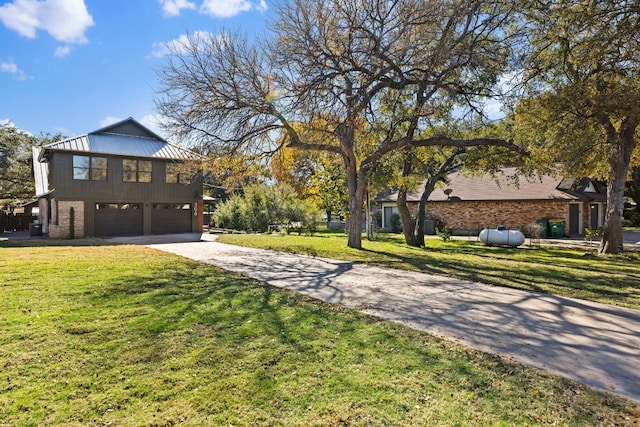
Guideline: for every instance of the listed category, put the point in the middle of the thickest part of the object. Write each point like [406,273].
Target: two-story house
[120,180]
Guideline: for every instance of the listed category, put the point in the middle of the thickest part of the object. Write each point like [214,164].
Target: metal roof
[121,145]
[125,138]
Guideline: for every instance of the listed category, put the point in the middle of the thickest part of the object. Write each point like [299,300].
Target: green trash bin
[556,227]
[544,227]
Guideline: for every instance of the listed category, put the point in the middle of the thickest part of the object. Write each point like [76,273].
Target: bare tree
[352,77]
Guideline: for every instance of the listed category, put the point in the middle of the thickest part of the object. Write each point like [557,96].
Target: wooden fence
[15,222]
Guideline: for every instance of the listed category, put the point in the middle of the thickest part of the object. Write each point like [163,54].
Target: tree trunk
[447,166]
[401,202]
[356,186]
[422,210]
[420,220]
[369,220]
[612,233]
[623,146]
[405,217]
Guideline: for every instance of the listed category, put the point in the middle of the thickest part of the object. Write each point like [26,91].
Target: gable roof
[125,138]
[499,188]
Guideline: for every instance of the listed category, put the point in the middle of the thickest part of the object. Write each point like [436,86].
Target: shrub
[262,206]
[377,218]
[634,220]
[396,224]
[444,233]
[589,233]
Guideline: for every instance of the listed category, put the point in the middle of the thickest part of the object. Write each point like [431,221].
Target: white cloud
[11,68]
[8,67]
[229,8]
[7,123]
[174,7]
[64,20]
[62,51]
[215,8]
[152,122]
[161,49]
[109,121]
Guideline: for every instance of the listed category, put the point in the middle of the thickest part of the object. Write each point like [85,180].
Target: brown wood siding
[114,189]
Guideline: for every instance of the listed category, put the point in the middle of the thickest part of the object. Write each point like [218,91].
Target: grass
[125,335]
[576,273]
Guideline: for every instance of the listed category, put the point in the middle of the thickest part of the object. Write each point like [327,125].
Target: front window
[89,168]
[177,174]
[389,211]
[136,170]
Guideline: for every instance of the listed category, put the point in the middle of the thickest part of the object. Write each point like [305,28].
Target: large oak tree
[16,176]
[583,72]
[334,66]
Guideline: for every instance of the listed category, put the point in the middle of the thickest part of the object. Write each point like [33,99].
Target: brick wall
[62,228]
[474,216]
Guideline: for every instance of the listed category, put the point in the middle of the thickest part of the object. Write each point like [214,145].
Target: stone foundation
[60,227]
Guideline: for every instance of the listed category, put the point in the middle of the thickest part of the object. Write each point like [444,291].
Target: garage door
[169,218]
[118,219]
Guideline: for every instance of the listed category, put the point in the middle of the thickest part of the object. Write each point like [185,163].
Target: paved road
[592,343]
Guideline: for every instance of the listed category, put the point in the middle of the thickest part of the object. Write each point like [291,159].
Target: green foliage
[16,179]
[72,223]
[396,224]
[634,219]
[16,175]
[261,206]
[444,233]
[330,180]
[590,234]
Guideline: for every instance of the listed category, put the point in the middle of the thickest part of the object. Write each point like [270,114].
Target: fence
[15,222]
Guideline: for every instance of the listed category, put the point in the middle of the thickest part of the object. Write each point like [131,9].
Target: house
[120,180]
[468,203]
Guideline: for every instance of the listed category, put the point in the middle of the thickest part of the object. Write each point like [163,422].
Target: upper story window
[136,170]
[177,174]
[90,168]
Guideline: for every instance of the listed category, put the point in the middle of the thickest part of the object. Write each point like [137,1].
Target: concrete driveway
[595,344]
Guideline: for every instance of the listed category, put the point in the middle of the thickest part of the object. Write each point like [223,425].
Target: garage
[118,219]
[167,218]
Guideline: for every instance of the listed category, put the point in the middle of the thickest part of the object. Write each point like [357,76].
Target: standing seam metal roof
[122,145]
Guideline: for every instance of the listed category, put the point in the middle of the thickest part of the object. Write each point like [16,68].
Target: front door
[574,219]
[594,217]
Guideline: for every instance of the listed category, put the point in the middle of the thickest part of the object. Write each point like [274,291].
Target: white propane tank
[501,236]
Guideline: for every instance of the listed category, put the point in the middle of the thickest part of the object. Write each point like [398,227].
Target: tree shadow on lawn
[186,325]
[549,274]
[232,325]
[226,304]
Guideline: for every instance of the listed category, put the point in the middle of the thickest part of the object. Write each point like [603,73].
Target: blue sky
[74,66]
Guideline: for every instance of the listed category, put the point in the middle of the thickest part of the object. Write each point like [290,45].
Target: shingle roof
[499,188]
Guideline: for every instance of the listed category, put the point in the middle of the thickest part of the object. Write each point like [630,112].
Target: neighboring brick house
[120,180]
[467,204]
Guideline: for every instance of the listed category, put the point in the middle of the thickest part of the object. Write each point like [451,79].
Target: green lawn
[576,273]
[125,335]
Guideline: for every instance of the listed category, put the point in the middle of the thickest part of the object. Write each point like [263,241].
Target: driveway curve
[595,344]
